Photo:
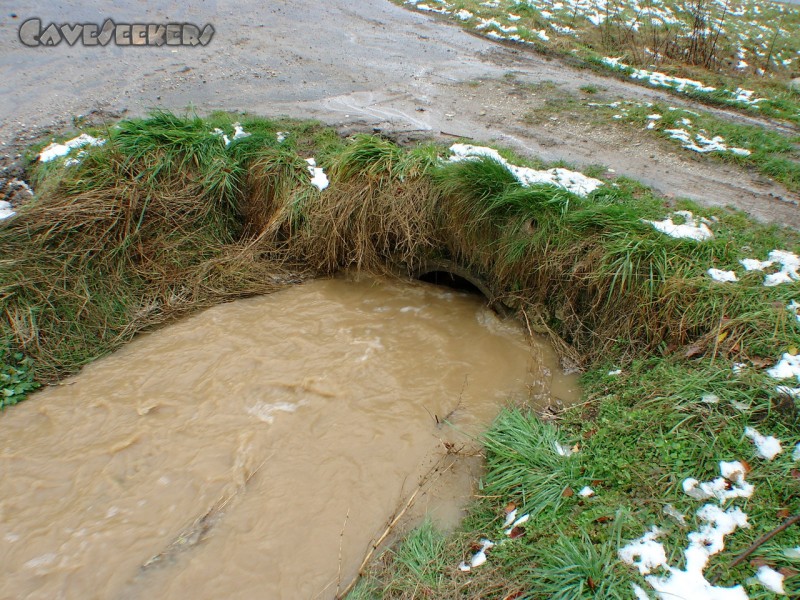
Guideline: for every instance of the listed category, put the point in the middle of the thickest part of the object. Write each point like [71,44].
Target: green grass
[165,219]
[773,154]
[701,41]
[524,465]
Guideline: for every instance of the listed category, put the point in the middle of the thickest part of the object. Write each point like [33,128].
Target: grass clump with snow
[773,154]
[741,53]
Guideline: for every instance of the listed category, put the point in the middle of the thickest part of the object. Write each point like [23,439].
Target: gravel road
[354,65]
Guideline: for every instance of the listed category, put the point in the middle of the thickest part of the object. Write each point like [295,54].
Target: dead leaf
[759,362]
[590,582]
[516,532]
[693,350]
[759,561]
[721,337]
[783,513]
[510,507]
[795,473]
[568,492]
[788,572]
[602,519]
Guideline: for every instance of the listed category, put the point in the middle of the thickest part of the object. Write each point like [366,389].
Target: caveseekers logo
[33,33]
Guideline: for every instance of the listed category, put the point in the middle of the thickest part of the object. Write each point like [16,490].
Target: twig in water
[390,527]
[341,542]
[443,420]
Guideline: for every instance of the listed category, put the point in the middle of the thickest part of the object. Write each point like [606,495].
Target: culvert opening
[451,280]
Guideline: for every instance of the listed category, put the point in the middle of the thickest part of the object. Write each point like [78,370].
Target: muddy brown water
[255,450]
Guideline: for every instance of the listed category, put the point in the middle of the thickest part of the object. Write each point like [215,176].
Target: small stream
[257,449]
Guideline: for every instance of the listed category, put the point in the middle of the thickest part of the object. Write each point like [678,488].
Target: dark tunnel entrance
[451,280]
[452,275]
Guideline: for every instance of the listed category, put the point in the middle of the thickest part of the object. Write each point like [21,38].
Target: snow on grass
[796,456]
[318,177]
[771,579]
[767,447]
[218,132]
[516,523]
[238,133]
[730,485]
[723,276]
[575,182]
[794,308]
[6,211]
[510,518]
[645,553]
[702,144]
[788,366]
[703,544]
[789,264]
[681,84]
[55,150]
[478,558]
[691,228]
[586,492]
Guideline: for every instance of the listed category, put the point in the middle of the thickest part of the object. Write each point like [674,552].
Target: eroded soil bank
[256,449]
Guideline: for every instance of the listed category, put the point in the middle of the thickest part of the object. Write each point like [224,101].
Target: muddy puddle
[258,449]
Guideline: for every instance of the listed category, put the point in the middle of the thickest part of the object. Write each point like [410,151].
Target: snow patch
[720,275]
[703,144]
[478,558]
[787,367]
[586,492]
[318,177]
[709,540]
[575,182]
[523,519]
[766,447]
[771,579]
[6,211]
[692,228]
[730,485]
[563,450]
[789,264]
[647,550]
[55,150]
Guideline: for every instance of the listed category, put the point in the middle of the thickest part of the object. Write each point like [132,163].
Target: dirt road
[354,65]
